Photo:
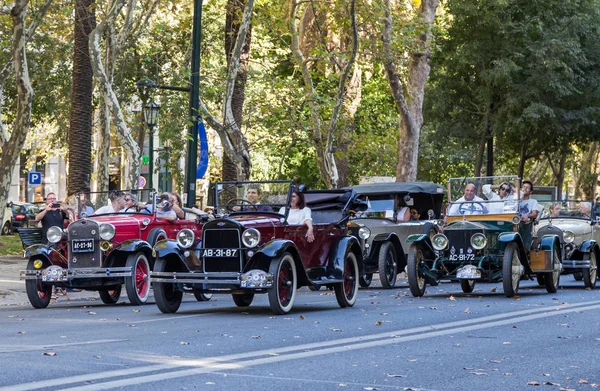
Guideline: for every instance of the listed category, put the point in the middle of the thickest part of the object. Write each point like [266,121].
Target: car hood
[126,226]
[475,225]
[577,226]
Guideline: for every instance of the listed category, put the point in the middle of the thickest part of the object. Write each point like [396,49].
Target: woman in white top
[299,214]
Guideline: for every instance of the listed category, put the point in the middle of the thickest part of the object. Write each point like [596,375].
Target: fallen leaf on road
[549,383]
[566,389]
[21,332]
[184,343]
[412,360]
[456,345]
[433,308]
[91,313]
[467,311]
[378,323]
[136,310]
[496,361]
[370,388]
[384,313]
[507,374]
[256,336]
[49,354]
[493,290]
[478,373]
[334,329]
[302,317]
[97,357]
[452,298]
[517,297]
[392,375]
[582,381]
[533,383]
[505,343]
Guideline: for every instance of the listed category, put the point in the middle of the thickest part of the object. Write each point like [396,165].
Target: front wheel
[467,286]
[512,270]
[138,285]
[168,299]
[366,280]
[388,265]
[589,275]
[285,283]
[347,291]
[552,278]
[6,228]
[110,296]
[38,293]
[242,300]
[416,279]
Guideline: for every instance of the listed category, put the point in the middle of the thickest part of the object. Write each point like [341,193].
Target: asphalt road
[389,340]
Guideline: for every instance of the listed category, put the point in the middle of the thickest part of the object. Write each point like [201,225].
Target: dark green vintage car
[485,240]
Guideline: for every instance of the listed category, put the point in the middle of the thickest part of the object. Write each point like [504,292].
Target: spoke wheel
[347,291]
[168,298]
[590,275]
[512,270]
[388,265]
[110,296]
[38,293]
[553,278]
[200,296]
[138,285]
[416,279]
[467,286]
[242,300]
[285,283]
[366,280]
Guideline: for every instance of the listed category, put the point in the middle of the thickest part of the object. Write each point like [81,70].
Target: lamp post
[151,111]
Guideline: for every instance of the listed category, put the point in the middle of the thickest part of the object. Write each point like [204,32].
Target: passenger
[85,207]
[117,202]
[54,214]
[505,192]
[529,208]
[299,214]
[585,208]
[468,204]
[164,208]
[177,205]
[414,214]
[130,203]
[555,209]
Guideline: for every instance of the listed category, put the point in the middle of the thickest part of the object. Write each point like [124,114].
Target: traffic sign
[142,182]
[145,159]
[35,178]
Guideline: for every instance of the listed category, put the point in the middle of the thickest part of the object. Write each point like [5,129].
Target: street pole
[151,156]
[192,150]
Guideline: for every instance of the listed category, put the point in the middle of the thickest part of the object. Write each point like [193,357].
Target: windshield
[567,209]
[113,201]
[483,195]
[265,196]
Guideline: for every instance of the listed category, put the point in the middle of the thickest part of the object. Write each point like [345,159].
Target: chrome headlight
[439,242]
[185,238]
[107,231]
[54,234]
[478,241]
[568,236]
[364,233]
[251,237]
[516,220]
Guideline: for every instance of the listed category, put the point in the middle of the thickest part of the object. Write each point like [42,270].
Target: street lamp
[151,112]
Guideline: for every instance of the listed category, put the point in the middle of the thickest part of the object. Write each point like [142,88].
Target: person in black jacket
[53,215]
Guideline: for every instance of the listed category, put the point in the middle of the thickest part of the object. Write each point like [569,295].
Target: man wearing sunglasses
[505,192]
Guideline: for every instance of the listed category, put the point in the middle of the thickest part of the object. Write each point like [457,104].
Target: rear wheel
[552,278]
[38,293]
[138,285]
[366,280]
[416,279]
[283,292]
[200,296]
[388,265]
[512,270]
[242,300]
[541,279]
[589,275]
[347,291]
[110,296]
[168,298]
[467,286]
[6,228]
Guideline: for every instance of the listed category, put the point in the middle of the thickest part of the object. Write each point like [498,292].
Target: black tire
[388,265]
[366,280]
[6,228]
[511,270]
[38,293]
[156,235]
[467,286]
[285,283]
[201,296]
[590,275]
[110,296]
[346,292]
[138,285]
[552,278]
[315,288]
[242,300]
[541,279]
[168,298]
[416,280]
[578,276]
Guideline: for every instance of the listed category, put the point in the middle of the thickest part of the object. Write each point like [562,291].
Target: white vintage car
[579,231]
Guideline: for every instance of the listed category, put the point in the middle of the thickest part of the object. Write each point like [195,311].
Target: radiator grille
[84,232]
[223,239]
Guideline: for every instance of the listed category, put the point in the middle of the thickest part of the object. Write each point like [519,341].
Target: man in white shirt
[529,208]
[117,202]
[468,204]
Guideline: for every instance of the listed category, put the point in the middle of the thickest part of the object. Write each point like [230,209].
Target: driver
[253,196]
[468,204]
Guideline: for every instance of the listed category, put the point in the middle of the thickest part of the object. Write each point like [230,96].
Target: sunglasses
[128,199]
[503,188]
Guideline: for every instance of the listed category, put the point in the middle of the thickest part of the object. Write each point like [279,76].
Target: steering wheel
[231,207]
[472,208]
[133,209]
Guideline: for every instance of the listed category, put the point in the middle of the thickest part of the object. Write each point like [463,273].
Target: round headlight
[185,238]
[568,236]
[54,234]
[439,242]
[478,241]
[516,220]
[364,233]
[107,231]
[251,237]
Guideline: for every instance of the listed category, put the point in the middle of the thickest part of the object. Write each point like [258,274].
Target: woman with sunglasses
[505,192]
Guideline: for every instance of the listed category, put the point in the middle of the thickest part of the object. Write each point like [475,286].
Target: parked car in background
[23,215]
[250,249]
[576,225]
[7,221]
[101,252]
[383,233]
[484,241]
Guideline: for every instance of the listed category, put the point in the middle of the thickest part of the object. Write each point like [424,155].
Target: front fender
[164,248]
[508,237]
[587,246]
[118,256]
[133,246]
[277,247]
[423,241]
[39,249]
[549,242]
[337,256]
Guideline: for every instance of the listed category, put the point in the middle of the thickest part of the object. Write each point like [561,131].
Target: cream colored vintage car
[578,229]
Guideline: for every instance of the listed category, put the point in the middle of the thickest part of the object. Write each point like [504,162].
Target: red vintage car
[250,248]
[104,248]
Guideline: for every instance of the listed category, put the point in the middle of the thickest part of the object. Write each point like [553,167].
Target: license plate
[219,252]
[461,257]
[82,245]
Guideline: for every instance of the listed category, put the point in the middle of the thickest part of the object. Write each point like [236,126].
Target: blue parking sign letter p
[35,178]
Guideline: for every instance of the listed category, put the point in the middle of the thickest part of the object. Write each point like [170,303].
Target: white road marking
[14,281]
[24,348]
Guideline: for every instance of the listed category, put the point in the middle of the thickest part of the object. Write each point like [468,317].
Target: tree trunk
[351,103]
[80,120]
[587,175]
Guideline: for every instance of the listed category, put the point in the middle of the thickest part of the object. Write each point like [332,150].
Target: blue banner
[203,163]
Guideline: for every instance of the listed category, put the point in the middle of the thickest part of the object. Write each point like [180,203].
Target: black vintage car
[250,249]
